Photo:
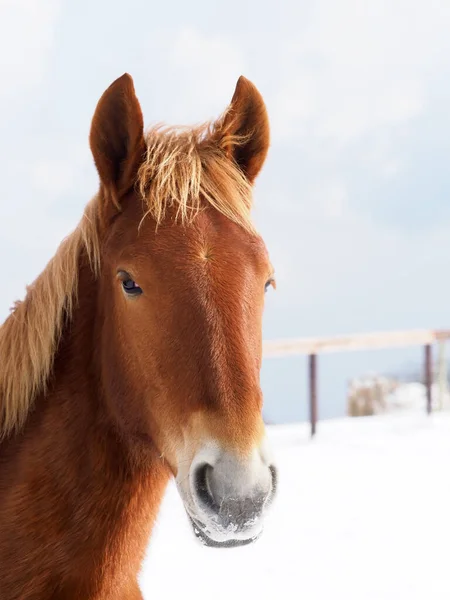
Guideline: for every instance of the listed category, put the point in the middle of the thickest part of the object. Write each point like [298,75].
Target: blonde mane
[184,168]
[187,167]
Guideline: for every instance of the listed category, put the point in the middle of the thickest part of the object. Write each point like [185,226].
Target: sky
[353,199]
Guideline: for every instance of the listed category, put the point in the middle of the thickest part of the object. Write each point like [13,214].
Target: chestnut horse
[136,356]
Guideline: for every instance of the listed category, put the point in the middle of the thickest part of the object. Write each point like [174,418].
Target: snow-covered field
[363,513]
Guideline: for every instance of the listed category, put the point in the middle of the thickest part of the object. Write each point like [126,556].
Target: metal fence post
[442,375]
[428,375]
[313,393]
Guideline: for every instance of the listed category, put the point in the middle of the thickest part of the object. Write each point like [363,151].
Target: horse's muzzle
[226,496]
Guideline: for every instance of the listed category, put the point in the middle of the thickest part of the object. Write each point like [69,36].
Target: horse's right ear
[117,137]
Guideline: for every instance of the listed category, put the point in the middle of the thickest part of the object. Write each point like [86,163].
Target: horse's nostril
[202,487]
[274,474]
[232,495]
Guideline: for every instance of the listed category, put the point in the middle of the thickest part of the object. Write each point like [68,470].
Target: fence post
[313,393]
[428,375]
[442,374]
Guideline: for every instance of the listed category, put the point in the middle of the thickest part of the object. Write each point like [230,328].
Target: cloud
[335,273]
[212,56]
[26,38]
[206,68]
[359,66]
[54,177]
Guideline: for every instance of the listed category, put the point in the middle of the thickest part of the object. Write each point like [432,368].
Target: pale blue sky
[354,199]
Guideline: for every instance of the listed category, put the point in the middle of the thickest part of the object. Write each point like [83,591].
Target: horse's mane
[183,168]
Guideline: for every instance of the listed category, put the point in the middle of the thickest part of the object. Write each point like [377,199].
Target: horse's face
[181,340]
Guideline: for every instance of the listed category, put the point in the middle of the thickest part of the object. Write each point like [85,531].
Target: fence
[312,347]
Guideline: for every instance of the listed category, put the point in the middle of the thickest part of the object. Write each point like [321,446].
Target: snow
[412,396]
[382,394]
[362,513]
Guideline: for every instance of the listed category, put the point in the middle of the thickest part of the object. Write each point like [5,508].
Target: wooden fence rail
[350,343]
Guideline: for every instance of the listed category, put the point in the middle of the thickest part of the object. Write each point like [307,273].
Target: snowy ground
[363,513]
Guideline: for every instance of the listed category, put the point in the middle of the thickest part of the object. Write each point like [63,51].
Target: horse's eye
[131,287]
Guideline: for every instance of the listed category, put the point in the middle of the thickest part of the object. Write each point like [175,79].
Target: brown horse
[135,356]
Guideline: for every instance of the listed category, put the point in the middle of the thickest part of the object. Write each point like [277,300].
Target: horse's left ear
[117,137]
[245,129]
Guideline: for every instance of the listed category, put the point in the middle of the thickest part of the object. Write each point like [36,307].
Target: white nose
[229,495]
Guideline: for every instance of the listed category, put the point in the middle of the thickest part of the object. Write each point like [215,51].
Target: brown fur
[98,392]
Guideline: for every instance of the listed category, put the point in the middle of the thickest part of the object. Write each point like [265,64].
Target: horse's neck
[81,477]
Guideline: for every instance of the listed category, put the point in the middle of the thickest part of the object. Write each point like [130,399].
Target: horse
[135,358]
